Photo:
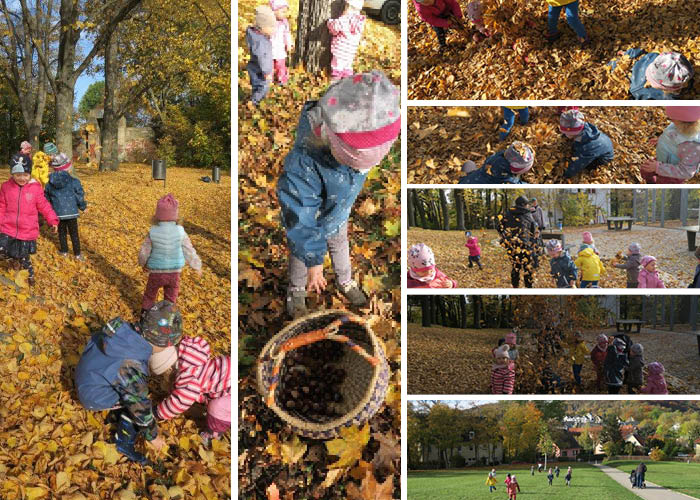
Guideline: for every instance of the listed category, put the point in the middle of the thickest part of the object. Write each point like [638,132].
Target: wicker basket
[364,361]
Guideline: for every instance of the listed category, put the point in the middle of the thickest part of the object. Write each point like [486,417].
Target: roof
[591,428]
[566,441]
[697,441]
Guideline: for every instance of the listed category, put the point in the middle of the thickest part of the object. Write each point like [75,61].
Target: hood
[519,210]
[59,180]
[655,368]
[123,342]
[192,351]
[473,241]
[586,252]
[589,133]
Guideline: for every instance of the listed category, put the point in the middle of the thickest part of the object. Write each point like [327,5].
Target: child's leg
[62,239]
[74,235]
[553,20]
[26,263]
[171,286]
[507,124]
[339,250]
[283,72]
[441,35]
[574,21]
[524,115]
[577,373]
[260,87]
[151,292]
[478,261]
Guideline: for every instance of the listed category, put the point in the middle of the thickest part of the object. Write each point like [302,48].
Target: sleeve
[80,195]
[48,191]
[431,19]
[661,284]
[185,393]
[335,26]
[191,256]
[603,271]
[627,264]
[578,165]
[456,9]
[287,36]
[635,53]
[266,58]
[46,210]
[642,280]
[681,166]
[145,251]
[132,386]
[3,202]
[573,271]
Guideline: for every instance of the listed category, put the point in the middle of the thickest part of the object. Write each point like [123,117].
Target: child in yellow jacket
[491,482]
[571,9]
[578,355]
[590,265]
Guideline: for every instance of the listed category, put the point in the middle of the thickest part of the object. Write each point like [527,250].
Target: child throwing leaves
[591,148]
[562,267]
[656,383]
[475,13]
[21,201]
[590,265]
[649,276]
[502,374]
[598,355]
[578,356]
[437,13]
[258,37]
[571,9]
[509,119]
[504,167]
[281,40]
[631,265]
[338,140]
[347,33]
[474,250]
[422,271]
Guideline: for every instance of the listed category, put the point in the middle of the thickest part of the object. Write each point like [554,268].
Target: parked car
[389,11]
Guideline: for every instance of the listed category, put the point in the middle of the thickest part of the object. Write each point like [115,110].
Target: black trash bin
[158,170]
[216,174]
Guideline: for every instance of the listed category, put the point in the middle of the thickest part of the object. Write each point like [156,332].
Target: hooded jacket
[496,170]
[579,352]
[438,14]
[517,228]
[615,363]
[590,146]
[638,79]
[672,162]
[260,52]
[473,246]
[65,193]
[598,355]
[635,376]
[590,265]
[650,280]
[631,265]
[656,383]
[20,207]
[563,270]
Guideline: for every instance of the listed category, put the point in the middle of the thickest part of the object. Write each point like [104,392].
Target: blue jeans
[492,489]
[571,18]
[509,120]
[577,376]
[586,284]
[261,86]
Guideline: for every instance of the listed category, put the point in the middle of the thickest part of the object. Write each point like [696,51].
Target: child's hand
[54,229]
[157,443]
[653,141]
[316,281]
[649,166]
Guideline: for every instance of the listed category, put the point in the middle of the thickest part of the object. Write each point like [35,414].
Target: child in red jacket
[21,201]
[437,14]
[513,488]
[474,250]
[598,354]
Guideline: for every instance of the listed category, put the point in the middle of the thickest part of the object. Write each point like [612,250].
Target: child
[513,488]
[677,149]
[532,470]
[578,356]
[338,140]
[507,481]
[164,253]
[50,149]
[65,193]
[696,278]
[502,375]
[590,265]
[346,32]
[474,250]
[571,8]
[659,76]
[551,382]
[615,363]
[281,40]
[550,476]
[587,238]
[475,13]
[656,383]
[260,66]
[509,119]
[491,482]
[556,471]
[467,168]
[198,379]
[568,476]
[633,477]
[631,265]
[504,167]
[591,148]
[437,14]
[649,276]
[562,267]
[635,377]
[422,272]
[25,148]
[512,339]
[113,373]
[21,201]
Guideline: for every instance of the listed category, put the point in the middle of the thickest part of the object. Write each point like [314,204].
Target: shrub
[458,461]
[657,455]
[166,150]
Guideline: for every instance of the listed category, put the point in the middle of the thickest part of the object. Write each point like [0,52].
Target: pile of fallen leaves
[518,63]
[441,140]
[363,462]
[52,447]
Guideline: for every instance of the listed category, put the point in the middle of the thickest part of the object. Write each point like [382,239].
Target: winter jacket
[677,154]
[632,264]
[347,33]
[590,265]
[512,487]
[650,280]
[496,170]
[473,246]
[563,270]
[199,378]
[590,147]
[502,379]
[635,376]
[316,194]
[538,216]
[638,79]
[437,282]
[560,3]
[696,278]
[615,363]
[517,228]
[438,14]
[281,40]
[579,352]
[656,383]
[113,369]
[260,52]
[490,481]
[598,356]
[20,207]
[641,469]
[65,193]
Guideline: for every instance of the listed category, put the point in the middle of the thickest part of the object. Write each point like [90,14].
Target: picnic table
[690,232]
[553,234]
[619,222]
[627,324]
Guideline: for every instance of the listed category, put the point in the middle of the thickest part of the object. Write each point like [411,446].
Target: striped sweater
[198,378]
[346,32]
[502,379]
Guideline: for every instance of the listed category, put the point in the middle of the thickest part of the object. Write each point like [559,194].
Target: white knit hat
[161,361]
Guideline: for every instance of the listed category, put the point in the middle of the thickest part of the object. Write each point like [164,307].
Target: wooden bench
[553,234]
[619,222]
[627,324]
[690,232]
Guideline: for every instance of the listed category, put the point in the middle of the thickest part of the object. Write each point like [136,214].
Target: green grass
[675,476]
[587,483]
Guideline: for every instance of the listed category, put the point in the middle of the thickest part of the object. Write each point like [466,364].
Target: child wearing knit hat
[635,377]
[437,13]
[340,137]
[578,356]
[598,355]
[509,119]
[590,148]
[615,363]
[422,271]
[346,33]
[677,149]
[474,250]
[562,267]
[258,37]
[164,252]
[649,276]
[503,167]
[571,8]
[281,40]
[589,242]
[502,372]
[656,382]
[631,264]
[655,76]
[590,265]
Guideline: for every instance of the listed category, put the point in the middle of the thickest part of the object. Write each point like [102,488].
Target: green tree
[586,441]
[545,443]
[446,428]
[520,429]
[552,410]
[93,97]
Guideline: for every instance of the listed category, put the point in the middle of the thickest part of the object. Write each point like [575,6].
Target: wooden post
[663,208]
[644,308]
[663,310]
[684,207]
[634,205]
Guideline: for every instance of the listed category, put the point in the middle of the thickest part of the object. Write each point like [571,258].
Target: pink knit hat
[511,338]
[279,4]
[166,209]
[647,259]
[656,368]
[220,408]
[683,113]
[25,147]
[420,257]
[475,11]
[587,237]
[602,339]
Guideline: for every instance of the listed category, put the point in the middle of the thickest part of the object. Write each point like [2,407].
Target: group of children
[511,481]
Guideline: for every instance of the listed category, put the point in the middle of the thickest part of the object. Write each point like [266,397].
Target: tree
[520,430]
[657,455]
[585,440]
[93,97]
[313,41]
[446,428]
[552,410]
[545,444]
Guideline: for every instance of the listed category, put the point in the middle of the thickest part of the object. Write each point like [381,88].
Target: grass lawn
[676,476]
[587,483]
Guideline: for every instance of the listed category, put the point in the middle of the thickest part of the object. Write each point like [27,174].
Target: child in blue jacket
[504,167]
[260,66]
[562,266]
[669,75]
[66,195]
[591,147]
[339,139]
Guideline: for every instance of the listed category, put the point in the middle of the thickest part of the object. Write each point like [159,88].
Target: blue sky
[82,84]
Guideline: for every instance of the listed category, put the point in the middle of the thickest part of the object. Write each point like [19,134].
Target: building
[474,453]
[697,447]
[599,198]
[566,446]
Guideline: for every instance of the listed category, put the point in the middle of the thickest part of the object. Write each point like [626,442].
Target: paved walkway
[651,492]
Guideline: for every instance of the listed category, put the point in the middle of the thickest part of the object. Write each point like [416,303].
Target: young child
[677,149]
[281,40]
[25,148]
[338,140]
[591,148]
[507,480]
[21,201]
[532,470]
[502,375]
[550,476]
[635,377]
[578,356]
[491,482]
[260,66]
[631,265]
[66,195]
[422,271]
[437,14]
[696,277]
[474,250]
[199,378]
[571,8]
[590,265]
[556,471]
[656,383]
[504,167]
[164,253]
[587,238]
[112,373]
[562,267]
[649,276]
[615,363]
[513,488]
[50,149]
[633,477]
[347,33]
[509,119]
[512,340]
[657,76]
[568,476]
[475,13]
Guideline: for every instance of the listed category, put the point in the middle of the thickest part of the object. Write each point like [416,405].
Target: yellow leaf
[349,446]
[93,421]
[207,455]
[392,227]
[108,451]
[40,315]
[35,493]
[458,112]
[25,348]
[292,450]
[21,279]
[176,493]
[185,443]
[62,480]
[39,412]
[332,477]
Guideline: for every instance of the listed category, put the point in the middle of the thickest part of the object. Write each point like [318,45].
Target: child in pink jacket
[346,32]
[281,40]
[656,383]
[422,271]
[649,276]
[21,201]
[437,14]
[474,250]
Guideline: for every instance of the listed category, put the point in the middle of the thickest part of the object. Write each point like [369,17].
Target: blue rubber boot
[125,439]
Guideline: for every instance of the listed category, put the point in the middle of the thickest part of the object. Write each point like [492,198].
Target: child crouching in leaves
[591,148]
[503,167]
[422,271]
[198,379]
[437,13]
[502,373]
[656,383]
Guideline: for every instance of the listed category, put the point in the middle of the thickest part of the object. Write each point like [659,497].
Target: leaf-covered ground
[518,63]
[52,447]
[458,361]
[440,140]
[675,264]
[273,461]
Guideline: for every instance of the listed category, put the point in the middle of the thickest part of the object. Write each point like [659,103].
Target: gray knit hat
[637,349]
[50,148]
[571,121]
[520,156]
[634,248]
[264,17]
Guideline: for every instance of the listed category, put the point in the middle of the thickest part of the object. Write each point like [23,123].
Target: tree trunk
[109,157]
[426,315]
[410,209]
[64,119]
[476,301]
[463,302]
[459,208]
[434,309]
[445,213]
[313,41]
[419,208]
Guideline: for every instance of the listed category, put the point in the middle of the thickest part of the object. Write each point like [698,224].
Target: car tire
[391,12]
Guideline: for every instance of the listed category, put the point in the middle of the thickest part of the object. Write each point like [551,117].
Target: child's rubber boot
[553,37]
[296,303]
[352,292]
[125,439]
